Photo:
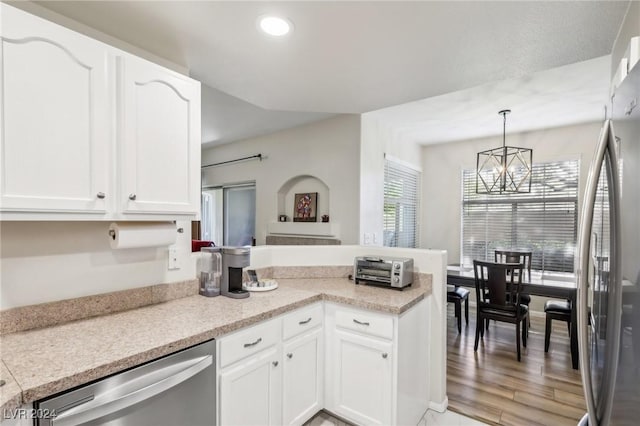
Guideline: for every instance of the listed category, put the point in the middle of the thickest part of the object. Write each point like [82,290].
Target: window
[401,189]
[544,221]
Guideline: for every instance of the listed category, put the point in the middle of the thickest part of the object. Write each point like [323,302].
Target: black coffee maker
[233,260]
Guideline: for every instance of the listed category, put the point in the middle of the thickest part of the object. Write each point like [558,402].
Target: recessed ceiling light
[274,25]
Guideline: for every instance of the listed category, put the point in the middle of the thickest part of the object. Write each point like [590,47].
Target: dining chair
[516,256]
[555,310]
[457,296]
[497,293]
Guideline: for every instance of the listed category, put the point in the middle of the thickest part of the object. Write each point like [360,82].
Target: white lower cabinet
[303,372]
[249,390]
[376,364]
[362,378]
[367,367]
[263,380]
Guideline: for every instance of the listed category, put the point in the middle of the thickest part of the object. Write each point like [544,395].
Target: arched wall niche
[301,184]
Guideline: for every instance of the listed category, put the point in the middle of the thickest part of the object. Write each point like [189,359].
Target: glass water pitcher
[210,268]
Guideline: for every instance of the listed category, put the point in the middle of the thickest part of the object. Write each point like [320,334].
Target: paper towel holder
[112,233]
[178,230]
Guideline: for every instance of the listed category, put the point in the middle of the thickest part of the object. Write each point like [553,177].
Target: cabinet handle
[248,345]
[289,355]
[305,321]
[132,197]
[359,322]
[275,363]
[384,355]
[100,195]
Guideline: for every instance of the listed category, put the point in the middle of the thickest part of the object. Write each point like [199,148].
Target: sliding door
[239,215]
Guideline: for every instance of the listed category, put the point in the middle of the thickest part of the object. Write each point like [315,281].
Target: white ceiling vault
[562,96]
[357,56]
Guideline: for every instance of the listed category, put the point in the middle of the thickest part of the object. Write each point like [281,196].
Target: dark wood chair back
[498,298]
[495,287]
[514,256]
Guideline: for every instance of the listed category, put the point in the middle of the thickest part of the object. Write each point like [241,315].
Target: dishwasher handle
[106,404]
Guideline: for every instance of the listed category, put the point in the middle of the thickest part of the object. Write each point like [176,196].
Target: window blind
[401,202]
[544,221]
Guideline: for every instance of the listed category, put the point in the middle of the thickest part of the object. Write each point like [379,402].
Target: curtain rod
[258,156]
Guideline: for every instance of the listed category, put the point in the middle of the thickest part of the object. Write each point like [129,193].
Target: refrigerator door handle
[615,277]
[605,143]
[583,268]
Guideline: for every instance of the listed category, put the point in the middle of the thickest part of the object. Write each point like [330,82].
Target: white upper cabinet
[90,132]
[160,123]
[54,118]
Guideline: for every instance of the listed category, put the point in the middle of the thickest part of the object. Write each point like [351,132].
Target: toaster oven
[394,272]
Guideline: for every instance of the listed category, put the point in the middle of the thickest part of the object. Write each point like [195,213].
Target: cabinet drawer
[301,320]
[248,342]
[365,322]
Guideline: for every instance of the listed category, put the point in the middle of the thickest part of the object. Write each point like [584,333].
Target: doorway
[229,214]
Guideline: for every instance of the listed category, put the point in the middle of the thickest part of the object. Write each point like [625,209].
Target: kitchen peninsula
[411,323]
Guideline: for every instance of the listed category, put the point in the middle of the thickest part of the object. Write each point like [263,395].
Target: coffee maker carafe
[233,260]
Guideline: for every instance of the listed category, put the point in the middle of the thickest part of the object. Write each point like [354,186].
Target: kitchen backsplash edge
[48,314]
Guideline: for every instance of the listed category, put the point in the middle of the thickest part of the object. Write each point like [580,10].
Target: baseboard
[440,407]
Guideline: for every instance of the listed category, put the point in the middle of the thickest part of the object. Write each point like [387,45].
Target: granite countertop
[364,296]
[49,360]
[10,392]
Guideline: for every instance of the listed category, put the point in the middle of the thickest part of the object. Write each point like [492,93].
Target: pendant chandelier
[504,170]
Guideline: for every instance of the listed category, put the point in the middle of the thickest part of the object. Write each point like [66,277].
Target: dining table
[555,285]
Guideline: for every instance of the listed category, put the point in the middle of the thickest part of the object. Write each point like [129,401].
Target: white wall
[377,140]
[47,261]
[442,174]
[328,150]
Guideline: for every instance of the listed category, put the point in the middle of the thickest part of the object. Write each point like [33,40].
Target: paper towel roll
[141,234]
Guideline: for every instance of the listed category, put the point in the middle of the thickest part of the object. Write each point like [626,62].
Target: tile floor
[431,418]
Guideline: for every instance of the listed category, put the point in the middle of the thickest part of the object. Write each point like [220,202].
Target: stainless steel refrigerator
[609,267]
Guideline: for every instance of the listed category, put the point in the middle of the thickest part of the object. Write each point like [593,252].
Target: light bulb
[274,25]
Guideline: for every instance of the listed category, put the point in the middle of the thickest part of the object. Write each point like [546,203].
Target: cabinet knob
[289,355]
[384,355]
[100,195]
[275,363]
[132,197]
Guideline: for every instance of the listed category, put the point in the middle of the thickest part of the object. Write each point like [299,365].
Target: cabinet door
[54,131]
[303,372]
[362,378]
[250,391]
[159,116]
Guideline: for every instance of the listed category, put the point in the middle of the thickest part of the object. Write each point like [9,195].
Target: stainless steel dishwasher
[178,389]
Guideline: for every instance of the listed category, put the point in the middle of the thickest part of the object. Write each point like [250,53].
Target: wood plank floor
[490,385]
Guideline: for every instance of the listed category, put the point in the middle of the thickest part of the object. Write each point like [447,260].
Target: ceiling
[353,57]
[228,119]
[561,96]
